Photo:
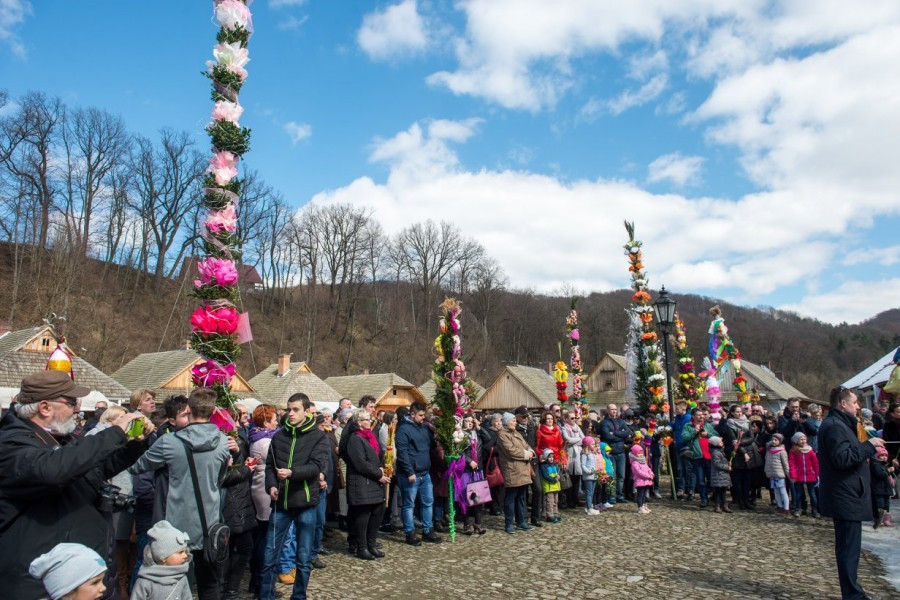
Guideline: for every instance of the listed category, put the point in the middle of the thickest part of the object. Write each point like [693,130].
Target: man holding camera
[50,481]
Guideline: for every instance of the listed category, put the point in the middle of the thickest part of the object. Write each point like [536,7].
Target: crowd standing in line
[74,498]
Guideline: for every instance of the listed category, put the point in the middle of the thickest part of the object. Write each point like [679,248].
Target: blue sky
[753,143]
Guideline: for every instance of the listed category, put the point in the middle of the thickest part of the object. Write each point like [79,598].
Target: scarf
[367,435]
[260,433]
[776,449]
[803,449]
[739,425]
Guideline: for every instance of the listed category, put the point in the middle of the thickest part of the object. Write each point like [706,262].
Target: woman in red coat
[550,436]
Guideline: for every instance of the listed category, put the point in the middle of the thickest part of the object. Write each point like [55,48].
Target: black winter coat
[881,483]
[845,489]
[615,432]
[238,510]
[363,472]
[48,494]
[304,450]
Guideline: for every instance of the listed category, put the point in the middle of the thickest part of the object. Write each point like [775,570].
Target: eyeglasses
[70,402]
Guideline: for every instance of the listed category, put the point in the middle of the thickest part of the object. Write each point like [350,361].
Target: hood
[201,437]
[258,433]
[308,424]
[165,574]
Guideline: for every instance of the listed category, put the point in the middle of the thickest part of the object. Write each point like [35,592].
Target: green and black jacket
[305,450]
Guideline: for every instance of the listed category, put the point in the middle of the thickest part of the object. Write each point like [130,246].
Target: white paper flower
[231,56]
[232,14]
[227,111]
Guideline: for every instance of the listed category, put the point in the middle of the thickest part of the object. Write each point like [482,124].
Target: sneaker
[557,519]
[588,511]
[607,505]
[593,511]
[287,578]
[887,520]
[318,563]
[524,527]
[510,529]
[430,536]
[536,523]
[656,494]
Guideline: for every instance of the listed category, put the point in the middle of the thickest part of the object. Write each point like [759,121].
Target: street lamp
[664,308]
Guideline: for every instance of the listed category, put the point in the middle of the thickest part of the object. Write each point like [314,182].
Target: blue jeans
[514,505]
[409,491]
[800,497]
[619,465]
[589,486]
[682,467]
[287,560]
[698,477]
[321,507]
[280,521]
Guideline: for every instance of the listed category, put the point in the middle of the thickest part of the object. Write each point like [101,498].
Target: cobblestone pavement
[677,551]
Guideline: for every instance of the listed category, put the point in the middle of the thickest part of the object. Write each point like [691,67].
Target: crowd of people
[143,499]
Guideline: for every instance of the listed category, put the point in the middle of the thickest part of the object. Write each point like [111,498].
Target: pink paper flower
[222,166]
[216,271]
[208,320]
[232,14]
[222,220]
[227,111]
[222,419]
[210,373]
[574,335]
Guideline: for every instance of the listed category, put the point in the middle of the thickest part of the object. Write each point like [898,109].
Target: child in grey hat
[163,574]
[70,571]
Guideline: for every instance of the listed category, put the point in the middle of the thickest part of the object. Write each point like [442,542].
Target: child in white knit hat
[70,572]
[163,574]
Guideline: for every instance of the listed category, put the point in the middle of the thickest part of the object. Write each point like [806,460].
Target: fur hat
[587,440]
[66,567]
[715,441]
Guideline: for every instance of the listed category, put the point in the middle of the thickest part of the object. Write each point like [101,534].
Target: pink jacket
[804,466]
[641,473]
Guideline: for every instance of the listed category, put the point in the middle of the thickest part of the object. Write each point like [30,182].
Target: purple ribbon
[457,469]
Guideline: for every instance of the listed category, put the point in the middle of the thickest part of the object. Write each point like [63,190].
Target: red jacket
[553,439]
[804,466]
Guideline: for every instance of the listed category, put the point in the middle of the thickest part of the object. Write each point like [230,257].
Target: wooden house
[773,392]
[516,386]
[606,383]
[389,389]
[869,382]
[26,351]
[169,373]
[279,381]
[428,388]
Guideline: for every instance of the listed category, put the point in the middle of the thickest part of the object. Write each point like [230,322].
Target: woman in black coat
[474,464]
[239,513]
[365,485]
[490,460]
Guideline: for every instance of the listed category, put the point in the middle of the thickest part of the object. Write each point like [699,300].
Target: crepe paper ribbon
[455,464]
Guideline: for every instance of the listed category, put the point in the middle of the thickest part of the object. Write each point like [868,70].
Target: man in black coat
[845,492]
[50,481]
[616,433]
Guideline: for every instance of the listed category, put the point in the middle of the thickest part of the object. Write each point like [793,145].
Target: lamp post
[664,309]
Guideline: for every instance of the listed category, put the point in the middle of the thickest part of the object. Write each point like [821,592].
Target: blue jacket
[678,426]
[412,444]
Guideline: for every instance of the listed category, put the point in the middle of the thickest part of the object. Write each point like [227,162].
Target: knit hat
[879,452]
[866,413]
[547,452]
[795,439]
[165,541]
[506,418]
[715,441]
[587,440]
[66,567]
[637,449]
[778,437]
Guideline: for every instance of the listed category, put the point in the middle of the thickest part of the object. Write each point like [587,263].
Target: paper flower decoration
[209,321]
[232,14]
[222,221]
[227,111]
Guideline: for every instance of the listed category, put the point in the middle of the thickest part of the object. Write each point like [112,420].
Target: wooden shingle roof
[428,388]
[537,381]
[13,340]
[375,384]
[618,359]
[15,366]
[153,369]
[275,390]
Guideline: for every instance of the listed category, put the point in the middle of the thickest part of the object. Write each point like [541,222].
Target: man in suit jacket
[845,494]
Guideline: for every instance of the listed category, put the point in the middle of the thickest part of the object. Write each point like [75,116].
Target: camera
[111,499]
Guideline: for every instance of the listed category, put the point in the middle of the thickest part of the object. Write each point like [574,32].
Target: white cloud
[13,14]
[285,3]
[850,302]
[291,23]
[297,131]
[646,93]
[886,257]
[395,31]
[676,168]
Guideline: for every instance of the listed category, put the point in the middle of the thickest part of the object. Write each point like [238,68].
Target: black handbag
[216,536]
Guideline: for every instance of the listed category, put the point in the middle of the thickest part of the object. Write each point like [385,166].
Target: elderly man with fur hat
[50,481]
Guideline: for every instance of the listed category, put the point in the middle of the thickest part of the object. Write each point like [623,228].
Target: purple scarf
[260,433]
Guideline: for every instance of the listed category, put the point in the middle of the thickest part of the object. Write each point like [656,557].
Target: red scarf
[370,437]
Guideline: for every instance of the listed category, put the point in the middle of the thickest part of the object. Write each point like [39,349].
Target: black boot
[376,552]
[364,554]
[412,539]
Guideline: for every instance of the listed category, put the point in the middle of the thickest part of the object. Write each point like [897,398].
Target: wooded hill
[116,312]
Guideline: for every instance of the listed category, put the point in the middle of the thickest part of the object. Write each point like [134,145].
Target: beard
[63,427]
